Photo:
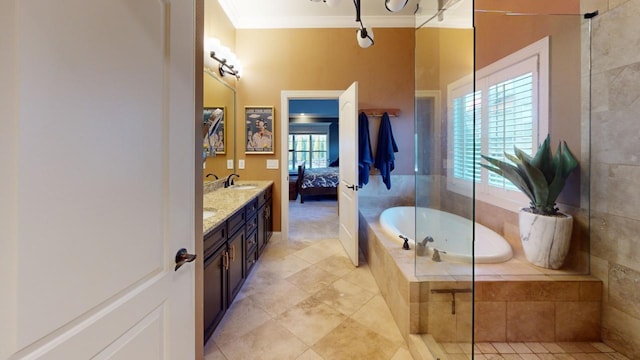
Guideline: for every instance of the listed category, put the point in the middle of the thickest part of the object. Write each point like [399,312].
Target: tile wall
[615,199]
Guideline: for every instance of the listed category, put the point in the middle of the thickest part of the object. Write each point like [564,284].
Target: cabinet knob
[183,257]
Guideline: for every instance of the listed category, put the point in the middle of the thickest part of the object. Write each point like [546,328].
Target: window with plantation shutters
[466,136]
[506,106]
[509,121]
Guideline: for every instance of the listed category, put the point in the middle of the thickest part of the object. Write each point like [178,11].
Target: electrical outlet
[229,164]
[241,164]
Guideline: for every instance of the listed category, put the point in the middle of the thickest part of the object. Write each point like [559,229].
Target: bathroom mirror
[218,130]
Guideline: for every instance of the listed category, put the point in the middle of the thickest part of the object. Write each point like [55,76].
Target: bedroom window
[308,142]
[507,108]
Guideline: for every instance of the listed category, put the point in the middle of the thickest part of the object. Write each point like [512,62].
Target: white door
[347,191]
[97,156]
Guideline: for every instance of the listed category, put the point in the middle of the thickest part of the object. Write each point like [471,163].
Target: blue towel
[385,159]
[365,155]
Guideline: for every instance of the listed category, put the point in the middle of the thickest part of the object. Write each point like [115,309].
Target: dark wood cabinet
[215,290]
[236,271]
[230,252]
[224,269]
[265,223]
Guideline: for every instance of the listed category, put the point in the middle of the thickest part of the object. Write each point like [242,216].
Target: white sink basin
[243,187]
[208,213]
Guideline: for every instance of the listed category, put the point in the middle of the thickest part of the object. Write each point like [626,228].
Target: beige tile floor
[532,351]
[305,300]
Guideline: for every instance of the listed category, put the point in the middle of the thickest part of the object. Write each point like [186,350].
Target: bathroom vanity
[237,227]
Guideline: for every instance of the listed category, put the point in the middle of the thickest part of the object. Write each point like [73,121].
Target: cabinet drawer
[252,258]
[264,196]
[252,224]
[236,221]
[214,239]
[252,207]
[252,241]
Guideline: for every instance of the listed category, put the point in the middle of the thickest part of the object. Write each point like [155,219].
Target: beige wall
[324,59]
[615,215]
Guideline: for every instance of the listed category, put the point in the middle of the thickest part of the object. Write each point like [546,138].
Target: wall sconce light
[227,61]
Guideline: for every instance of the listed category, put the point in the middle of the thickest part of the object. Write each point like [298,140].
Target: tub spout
[406,242]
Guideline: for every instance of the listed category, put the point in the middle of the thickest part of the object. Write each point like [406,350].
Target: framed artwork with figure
[213,130]
[259,130]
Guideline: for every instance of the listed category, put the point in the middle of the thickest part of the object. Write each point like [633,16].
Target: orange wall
[324,59]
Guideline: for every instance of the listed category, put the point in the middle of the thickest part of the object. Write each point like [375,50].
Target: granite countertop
[224,202]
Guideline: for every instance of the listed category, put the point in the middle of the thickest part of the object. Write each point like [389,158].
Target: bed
[317,181]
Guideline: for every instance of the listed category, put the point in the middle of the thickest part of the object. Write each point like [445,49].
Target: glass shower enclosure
[491,75]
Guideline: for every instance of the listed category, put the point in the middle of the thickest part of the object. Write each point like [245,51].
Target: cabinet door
[236,263]
[215,290]
[262,228]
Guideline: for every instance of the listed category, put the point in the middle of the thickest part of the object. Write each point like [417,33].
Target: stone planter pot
[545,239]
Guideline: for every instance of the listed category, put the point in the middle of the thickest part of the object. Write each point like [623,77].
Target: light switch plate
[272,164]
[229,164]
[241,164]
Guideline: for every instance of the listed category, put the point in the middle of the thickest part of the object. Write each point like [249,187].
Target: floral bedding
[320,178]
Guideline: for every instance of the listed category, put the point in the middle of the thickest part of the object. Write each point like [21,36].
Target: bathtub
[451,234]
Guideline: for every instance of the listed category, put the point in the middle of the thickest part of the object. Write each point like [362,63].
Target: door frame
[285,96]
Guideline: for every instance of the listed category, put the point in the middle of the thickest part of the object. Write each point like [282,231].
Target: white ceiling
[278,14]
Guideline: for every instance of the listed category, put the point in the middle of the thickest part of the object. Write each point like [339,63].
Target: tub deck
[514,301]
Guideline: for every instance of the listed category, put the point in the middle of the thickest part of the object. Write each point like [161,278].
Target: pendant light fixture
[364,36]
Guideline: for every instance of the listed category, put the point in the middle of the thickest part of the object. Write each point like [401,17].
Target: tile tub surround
[226,201]
[615,216]
[525,306]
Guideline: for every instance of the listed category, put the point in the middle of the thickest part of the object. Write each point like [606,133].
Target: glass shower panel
[532,73]
[519,72]
[444,108]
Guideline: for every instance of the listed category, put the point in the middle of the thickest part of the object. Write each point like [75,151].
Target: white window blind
[507,107]
[466,136]
[510,121]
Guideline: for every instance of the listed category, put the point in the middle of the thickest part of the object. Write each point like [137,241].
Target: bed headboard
[301,168]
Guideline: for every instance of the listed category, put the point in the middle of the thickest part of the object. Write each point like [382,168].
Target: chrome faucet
[230,179]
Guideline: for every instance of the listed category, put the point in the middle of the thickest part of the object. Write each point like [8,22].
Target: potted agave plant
[545,232]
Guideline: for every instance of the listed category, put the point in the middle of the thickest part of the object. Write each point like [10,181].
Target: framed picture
[213,130]
[259,130]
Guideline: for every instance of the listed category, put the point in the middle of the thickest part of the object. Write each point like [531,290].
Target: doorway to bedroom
[309,123]
[313,140]
[313,165]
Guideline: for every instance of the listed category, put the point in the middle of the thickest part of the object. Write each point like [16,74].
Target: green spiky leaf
[540,177]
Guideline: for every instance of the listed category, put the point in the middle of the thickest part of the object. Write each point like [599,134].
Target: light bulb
[332,3]
[395,5]
[367,40]
[224,53]
[212,44]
